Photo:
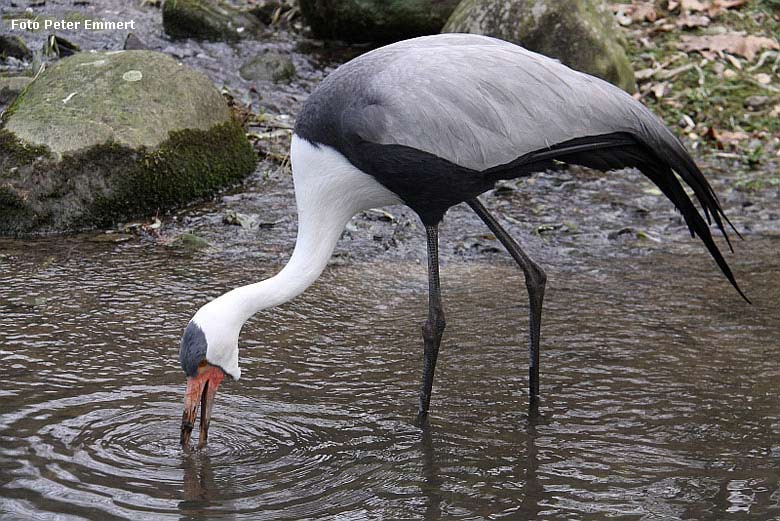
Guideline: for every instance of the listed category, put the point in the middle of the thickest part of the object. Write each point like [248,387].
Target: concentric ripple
[118,450]
[650,410]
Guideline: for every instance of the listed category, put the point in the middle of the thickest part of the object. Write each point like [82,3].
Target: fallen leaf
[693,5]
[728,4]
[644,11]
[718,6]
[746,46]
[635,12]
[689,20]
[713,8]
[245,220]
[725,137]
[664,27]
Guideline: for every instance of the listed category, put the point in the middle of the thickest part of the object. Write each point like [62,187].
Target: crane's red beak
[200,391]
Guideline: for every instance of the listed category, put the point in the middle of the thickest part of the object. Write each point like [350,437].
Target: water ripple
[655,406]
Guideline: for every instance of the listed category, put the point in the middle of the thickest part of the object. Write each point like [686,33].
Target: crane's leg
[535,280]
[434,326]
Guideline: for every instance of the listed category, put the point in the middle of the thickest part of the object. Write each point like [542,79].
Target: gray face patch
[193,349]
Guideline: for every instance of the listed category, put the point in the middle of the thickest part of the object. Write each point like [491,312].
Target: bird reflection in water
[201,491]
[431,484]
[527,466]
[534,490]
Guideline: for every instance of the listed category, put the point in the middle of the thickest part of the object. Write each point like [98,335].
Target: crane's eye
[202,366]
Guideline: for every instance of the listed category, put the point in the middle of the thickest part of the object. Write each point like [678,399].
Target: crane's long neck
[318,232]
[328,191]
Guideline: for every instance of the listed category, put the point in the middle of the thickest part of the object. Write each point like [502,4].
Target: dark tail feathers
[658,161]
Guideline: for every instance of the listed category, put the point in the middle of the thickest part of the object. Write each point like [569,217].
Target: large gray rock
[582,34]
[376,20]
[107,136]
[213,20]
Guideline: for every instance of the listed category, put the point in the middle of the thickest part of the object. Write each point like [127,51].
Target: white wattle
[329,190]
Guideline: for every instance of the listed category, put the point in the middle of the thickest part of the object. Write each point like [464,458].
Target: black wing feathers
[621,150]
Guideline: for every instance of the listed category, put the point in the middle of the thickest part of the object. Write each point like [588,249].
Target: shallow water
[659,391]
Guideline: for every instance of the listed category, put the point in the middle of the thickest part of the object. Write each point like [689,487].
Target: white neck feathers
[329,190]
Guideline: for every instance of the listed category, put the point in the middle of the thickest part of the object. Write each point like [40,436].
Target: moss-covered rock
[376,20]
[132,98]
[206,20]
[104,137]
[582,34]
[14,46]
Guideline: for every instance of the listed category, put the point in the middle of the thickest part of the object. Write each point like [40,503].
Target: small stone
[178,51]
[232,198]
[549,228]
[756,102]
[269,66]
[133,43]
[617,234]
[504,189]
[245,220]
[190,241]
[686,123]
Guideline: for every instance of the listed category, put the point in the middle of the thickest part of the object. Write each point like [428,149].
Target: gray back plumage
[475,101]
[462,110]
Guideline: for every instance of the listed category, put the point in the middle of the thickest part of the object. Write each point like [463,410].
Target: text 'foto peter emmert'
[71,25]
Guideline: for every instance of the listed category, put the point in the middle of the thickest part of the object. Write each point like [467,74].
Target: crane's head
[208,352]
